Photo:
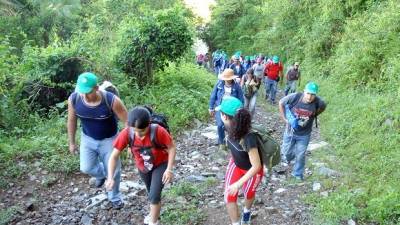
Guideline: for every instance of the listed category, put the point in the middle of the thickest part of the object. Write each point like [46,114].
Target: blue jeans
[220,128]
[294,147]
[217,70]
[250,103]
[290,87]
[270,88]
[94,155]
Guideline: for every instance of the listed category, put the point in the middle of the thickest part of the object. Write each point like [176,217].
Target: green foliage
[182,215]
[185,86]
[151,44]
[6,215]
[185,210]
[351,48]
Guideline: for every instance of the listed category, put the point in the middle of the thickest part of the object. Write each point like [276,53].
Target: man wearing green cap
[273,73]
[303,107]
[98,112]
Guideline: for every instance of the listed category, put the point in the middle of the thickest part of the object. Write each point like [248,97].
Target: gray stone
[389,122]
[280,190]
[96,200]
[351,222]
[198,123]
[92,181]
[315,146]
[195,178]
[316,186]
[86,220]
[325,171]
[324,194]
[207,174]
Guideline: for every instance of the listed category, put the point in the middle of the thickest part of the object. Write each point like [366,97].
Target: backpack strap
[76,96]
[104,96]
[296,100]
[153,137]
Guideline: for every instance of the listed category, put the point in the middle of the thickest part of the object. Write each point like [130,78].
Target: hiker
[225,86]
[153,158]
[250,85]
[98,112]
[258,69]
[237,67]
[207,61]
[292,76]
[245,170]
[200,59]
[299,110]
[218,62]
[273,74]
[247,63]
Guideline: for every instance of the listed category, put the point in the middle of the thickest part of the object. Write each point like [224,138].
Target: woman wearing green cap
[303,108]
[245,170]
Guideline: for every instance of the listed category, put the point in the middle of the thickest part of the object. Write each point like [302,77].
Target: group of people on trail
[101,144]
[232,103]
[203,60]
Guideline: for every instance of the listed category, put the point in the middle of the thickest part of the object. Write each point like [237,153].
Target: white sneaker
[146,220]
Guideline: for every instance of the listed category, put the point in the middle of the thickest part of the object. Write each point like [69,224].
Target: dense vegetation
[143,47]
[351,48]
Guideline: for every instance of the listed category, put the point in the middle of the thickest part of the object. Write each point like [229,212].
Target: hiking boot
[245,218]
[117,205]
[99,182]
[223,147]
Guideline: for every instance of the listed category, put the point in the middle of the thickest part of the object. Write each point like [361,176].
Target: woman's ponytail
[241,124]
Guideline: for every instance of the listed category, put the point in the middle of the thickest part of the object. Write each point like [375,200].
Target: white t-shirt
[228,91]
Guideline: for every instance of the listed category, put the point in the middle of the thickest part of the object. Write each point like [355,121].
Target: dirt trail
[70,200]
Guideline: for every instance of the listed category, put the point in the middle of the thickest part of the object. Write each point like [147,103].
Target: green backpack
[268,148]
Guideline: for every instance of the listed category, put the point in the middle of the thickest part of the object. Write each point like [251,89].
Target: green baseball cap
[229,105]
[311,88]
[86,82]
[275,59]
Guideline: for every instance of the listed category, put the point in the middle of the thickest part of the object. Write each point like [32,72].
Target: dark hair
[240,124]
[250,71]
[139,117]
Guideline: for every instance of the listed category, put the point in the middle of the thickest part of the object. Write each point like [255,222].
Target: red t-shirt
[272,70]
[146,157]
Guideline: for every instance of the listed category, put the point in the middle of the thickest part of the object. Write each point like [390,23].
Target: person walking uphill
[97,111]
[292,76]
[299,110]
[154,153]
[225,86]
[250,85]
[245,170]
[273,74]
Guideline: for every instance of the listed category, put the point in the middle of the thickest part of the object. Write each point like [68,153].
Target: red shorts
[233,174]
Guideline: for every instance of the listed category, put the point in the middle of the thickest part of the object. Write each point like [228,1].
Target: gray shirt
[305,112]
[258,70]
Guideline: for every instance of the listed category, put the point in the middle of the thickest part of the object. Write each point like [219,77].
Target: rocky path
[195,197]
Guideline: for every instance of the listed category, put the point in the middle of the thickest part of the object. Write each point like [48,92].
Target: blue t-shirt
[98,122]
